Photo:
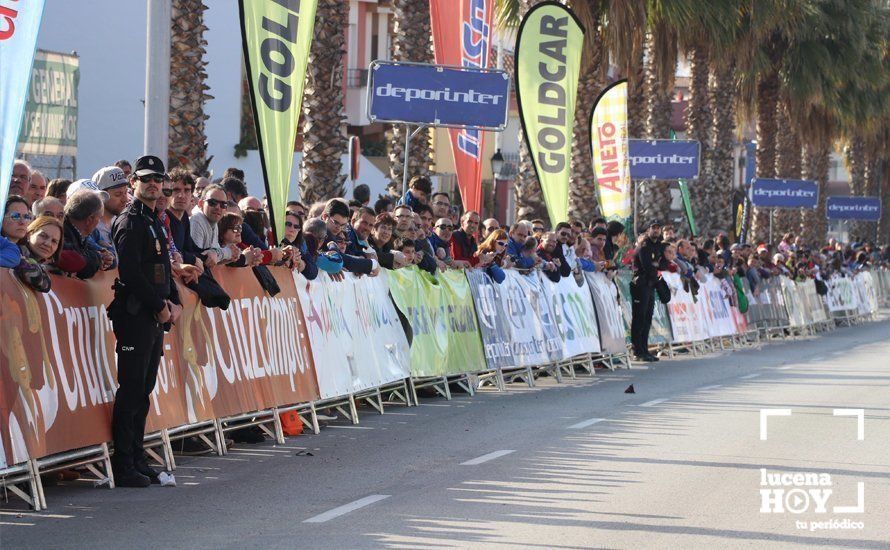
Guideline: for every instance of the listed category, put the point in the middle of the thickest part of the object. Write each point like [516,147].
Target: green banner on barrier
[445,336]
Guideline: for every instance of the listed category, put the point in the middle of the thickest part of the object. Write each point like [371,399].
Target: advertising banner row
[325,339]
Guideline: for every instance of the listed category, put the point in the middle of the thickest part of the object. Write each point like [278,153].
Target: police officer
[642,291]
[145,304]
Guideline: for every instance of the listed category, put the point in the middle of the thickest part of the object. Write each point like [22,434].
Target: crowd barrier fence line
[331,343]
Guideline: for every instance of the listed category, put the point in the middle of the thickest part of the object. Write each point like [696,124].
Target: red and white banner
[462,38]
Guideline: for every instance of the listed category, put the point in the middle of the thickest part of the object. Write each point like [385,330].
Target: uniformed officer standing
[642,291]
[145,304]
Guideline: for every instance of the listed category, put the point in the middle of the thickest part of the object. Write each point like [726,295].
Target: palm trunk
[655,196]
[872,187]
[854,156]
[529,196]
[324,139]
[767,101]
[699,123]
[883,177]
[411,41]
[582,189]
[816,166]
[788,165]
[187,144]
[723,154]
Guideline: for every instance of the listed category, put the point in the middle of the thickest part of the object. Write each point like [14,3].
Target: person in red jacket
[463,241]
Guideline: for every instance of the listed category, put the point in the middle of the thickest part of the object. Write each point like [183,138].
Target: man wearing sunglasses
[146,304]
[203,226]
[336,217]
[440,239]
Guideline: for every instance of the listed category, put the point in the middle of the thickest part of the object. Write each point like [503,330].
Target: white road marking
[749,376]
[432,405]
[785,367]
[585,423]
[714,387]
[346,508]
[486,458]
[248,453]
[653,402]
[22,524]
[350,427]
[35,514]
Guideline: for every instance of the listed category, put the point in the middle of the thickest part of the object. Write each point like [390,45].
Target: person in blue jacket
[419,190]
[518,235]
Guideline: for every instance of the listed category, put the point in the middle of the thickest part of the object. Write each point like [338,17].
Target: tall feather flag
[609,147]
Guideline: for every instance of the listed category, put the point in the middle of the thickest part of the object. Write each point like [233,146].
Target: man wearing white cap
[113,182]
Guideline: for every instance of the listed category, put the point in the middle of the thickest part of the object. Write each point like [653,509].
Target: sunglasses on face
[213,203]
[152,179]
[292,225]
[167,192]
[502,243]
[446,227]
[19,217]
[538,229]
[563,234]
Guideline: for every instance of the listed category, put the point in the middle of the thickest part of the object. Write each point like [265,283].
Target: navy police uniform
[642,292]
[141,291]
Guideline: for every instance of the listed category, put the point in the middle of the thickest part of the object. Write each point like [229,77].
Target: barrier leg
[37,486]
[279,430]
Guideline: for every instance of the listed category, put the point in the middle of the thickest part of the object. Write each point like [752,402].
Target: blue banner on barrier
[775,193]
[438,95]
[664,159]
[853,208]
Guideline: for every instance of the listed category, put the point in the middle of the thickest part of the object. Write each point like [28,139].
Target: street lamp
[497,162]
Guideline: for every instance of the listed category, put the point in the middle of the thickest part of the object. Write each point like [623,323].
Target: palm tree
[324,140]
[720,180]
[582,189]
[411,41]
[187,144]
[788,165]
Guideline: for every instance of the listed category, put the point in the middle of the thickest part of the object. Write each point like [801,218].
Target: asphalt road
[576,465]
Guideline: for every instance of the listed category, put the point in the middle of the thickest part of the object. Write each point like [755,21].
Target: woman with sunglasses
[41,245]
[492,254]
[294,246]
[230,234]
[15,225]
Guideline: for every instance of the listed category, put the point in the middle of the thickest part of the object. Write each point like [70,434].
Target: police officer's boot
[130,478]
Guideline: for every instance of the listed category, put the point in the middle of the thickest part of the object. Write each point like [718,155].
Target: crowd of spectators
[63,227]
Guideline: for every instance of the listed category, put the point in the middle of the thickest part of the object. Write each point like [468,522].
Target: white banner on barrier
[573,312]
[866,293]
[536,339]
[608,313]
[841,295]
[687,315]
[714,300]
[356,338]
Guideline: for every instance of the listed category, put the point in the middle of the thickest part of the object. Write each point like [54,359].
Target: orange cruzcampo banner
[462,38]
[58,363]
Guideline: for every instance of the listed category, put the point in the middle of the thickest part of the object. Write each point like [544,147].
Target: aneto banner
[462,38]
[609,147]
[276,36]
[548,62]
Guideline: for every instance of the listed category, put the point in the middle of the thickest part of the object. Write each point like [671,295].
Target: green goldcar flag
[276,35]
[687,206]
[609,149]
[548,61]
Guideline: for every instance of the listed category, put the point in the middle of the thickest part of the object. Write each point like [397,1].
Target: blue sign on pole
[775,193]
[853,208]
[664,159]
[437,95]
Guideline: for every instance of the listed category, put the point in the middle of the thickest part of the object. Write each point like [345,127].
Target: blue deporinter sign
[664,159]
[776,193]
[853,208]
[437,95]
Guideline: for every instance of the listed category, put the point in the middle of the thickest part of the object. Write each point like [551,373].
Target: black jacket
[143,259]
[75,242]
[646,262]
[182,237]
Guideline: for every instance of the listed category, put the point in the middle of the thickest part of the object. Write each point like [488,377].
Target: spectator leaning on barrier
[112,180]
[358,233]
[336,217]
[83,211]
[16,217]
[382,238]
[549,252]
[204,230]
[463,241]
[325,253]
[178,217]
[565,251]
[230,231]
[146,304]
[293,239]
[41,245]
[642,290]
[440,239]
[493,256]
[519,235]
